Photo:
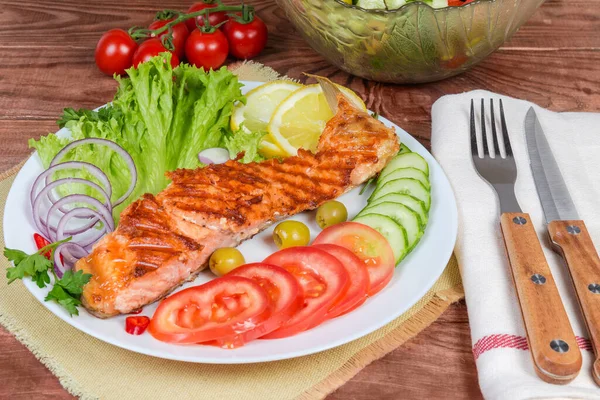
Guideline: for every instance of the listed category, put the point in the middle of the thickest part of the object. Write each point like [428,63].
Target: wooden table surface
[47,63]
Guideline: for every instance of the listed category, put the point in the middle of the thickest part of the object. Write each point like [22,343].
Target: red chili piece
[41,242]
[136,325]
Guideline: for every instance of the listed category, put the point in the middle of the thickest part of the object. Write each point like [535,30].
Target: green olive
[224,260]
[331,213]
[290,234]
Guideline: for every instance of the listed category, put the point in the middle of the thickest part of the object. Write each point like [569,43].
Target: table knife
[567,231]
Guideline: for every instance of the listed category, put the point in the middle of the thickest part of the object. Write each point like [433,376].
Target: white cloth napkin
[504,367]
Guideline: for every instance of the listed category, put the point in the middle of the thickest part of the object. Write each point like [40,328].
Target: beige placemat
[92,369]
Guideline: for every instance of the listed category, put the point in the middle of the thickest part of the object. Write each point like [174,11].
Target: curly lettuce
[162,116]
[244,143]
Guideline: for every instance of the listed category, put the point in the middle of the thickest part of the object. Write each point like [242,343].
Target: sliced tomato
[284,292]
[368,245]
[359,279]
[230,305]
[323,279]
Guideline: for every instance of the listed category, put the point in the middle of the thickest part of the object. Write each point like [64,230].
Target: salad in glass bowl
[404,41]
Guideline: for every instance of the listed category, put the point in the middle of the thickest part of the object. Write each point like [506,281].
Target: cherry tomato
[284,292]
[323,279]
[369,245]
[180,34]
[138,311]
[246,40]
[136,325]
[214,18]
[359,279]
[114,52]
[206,50]
[454,62]
[151,48]
[227,306]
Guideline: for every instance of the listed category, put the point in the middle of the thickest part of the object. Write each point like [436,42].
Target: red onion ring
[46,175]
[100,216]
[116,148]
[44,225]
[69,258]
[214,155]
[101,213]
[82,198]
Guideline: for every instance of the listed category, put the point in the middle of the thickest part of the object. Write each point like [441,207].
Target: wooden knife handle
[556,356]
[573,239]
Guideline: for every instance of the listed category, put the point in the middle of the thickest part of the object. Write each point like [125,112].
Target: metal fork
[556,356]
[498,171]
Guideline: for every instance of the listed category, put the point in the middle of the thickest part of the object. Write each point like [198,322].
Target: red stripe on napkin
[506,341]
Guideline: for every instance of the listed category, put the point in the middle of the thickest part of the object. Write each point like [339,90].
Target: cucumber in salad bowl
[396,4]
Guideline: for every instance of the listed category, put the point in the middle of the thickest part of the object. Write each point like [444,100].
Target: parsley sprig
[66,290]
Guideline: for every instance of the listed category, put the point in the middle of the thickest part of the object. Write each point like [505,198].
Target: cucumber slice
[404,149]
[439,3]
[406,173]
[391,230]
[411,202]
[403,215]
[404,186]
[371,4]
[406,160]
[394,4]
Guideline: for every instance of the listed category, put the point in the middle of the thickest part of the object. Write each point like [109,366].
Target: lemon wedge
[260,104]
[301,117]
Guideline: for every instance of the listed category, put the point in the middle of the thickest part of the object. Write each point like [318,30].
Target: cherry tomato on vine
[246,40]
[150,48]
[180,34]
[214,18]
[114,52]
[206,50]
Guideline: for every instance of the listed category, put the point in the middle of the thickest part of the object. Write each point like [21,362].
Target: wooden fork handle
[577,248]
[556,356]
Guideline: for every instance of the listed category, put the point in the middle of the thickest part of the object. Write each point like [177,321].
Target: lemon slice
[269,148]
[299,120]
[260,104]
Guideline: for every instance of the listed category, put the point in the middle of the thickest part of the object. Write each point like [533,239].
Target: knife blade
[552,190]
[567,231]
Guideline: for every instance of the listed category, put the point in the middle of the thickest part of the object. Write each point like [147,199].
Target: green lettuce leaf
[163,117]
[243,142]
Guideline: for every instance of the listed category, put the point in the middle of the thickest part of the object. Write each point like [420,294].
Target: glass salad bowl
[412,44]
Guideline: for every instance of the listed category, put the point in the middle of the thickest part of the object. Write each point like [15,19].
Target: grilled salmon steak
[164,240]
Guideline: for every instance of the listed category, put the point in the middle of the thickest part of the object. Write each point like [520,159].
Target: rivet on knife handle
[556,356]
[578,250]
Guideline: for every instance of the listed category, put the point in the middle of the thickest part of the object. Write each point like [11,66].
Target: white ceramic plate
[412,279]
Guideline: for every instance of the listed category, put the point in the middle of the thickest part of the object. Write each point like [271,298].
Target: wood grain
[542,309]
[552,61]
[574,242]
